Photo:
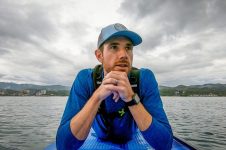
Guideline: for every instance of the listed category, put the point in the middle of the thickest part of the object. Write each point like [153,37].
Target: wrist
[96,98]
[134,100]
[130,98]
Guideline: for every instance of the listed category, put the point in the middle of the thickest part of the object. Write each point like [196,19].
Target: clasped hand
[115,83]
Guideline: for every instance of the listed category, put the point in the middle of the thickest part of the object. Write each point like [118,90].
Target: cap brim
[134,37]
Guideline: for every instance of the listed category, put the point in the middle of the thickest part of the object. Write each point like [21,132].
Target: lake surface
[30,123]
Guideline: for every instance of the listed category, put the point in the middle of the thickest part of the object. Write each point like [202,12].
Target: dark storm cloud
[48,42]
[179,13]
[24,22]
[172,17]
[182,39]
[27,30]
[2,75]
[4,51]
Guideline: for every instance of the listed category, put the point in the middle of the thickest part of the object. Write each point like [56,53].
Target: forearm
[81,123]
[142,118]
[158,135]
[154,132]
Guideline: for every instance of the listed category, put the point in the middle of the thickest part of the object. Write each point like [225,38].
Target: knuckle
[124,74]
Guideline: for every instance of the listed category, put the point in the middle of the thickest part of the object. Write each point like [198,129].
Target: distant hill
[19,87]
[209,86]
[194,90]
[13,89]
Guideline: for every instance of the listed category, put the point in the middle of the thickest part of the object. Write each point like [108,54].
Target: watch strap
[135,100]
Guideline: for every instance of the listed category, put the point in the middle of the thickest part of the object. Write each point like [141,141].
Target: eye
[114,47]
[129,48]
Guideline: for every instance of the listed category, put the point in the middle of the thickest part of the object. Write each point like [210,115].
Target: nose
[123,54]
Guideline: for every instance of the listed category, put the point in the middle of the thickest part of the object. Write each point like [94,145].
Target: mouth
[122,65]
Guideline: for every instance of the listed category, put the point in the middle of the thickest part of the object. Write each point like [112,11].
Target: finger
[115,74]
[119,73]
[110,81]
[123,78]
[116,100]
[116,82]
[111,87]
[115,95]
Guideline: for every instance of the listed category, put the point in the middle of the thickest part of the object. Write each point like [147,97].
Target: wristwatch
[135,100]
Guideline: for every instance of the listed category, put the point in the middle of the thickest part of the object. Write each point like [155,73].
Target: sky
[49,41]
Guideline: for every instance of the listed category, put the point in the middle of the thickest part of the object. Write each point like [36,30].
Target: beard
[122,66]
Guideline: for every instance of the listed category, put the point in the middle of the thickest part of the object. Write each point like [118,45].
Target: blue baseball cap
[118,30]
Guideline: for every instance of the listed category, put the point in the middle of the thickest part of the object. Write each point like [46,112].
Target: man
[143,108]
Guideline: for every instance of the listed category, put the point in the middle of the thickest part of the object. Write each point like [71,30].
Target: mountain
[13,89]
[19,87]
[194,90]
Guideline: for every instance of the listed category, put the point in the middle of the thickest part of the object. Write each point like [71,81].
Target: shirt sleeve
[159,134]
[79,94]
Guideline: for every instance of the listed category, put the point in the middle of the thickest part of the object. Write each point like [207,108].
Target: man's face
[117,55]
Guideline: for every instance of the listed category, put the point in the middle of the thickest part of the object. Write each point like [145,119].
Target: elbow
[164,143]
[65,140]
[168,142]
[159,136]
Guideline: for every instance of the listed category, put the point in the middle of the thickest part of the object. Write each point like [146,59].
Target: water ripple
[30,123]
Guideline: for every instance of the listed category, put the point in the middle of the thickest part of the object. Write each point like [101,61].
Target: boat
[92,142]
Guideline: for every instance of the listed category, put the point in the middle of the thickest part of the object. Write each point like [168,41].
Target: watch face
[136,98]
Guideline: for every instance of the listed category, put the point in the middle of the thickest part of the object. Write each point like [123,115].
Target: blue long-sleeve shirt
[158,135]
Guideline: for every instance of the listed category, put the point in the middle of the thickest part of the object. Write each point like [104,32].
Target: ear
[99,55]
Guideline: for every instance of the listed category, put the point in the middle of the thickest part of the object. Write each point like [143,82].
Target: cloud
[4,51]
[2,75]
[31,43]
[25,22]
[49,42]
[182,39]
[166,18]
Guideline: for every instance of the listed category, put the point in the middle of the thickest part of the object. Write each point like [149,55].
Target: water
[199,120]
[30,123]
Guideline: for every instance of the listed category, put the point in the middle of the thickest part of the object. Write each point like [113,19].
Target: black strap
[134,79]
[97,76]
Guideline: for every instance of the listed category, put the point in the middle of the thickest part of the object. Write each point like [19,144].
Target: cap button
[119,27]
